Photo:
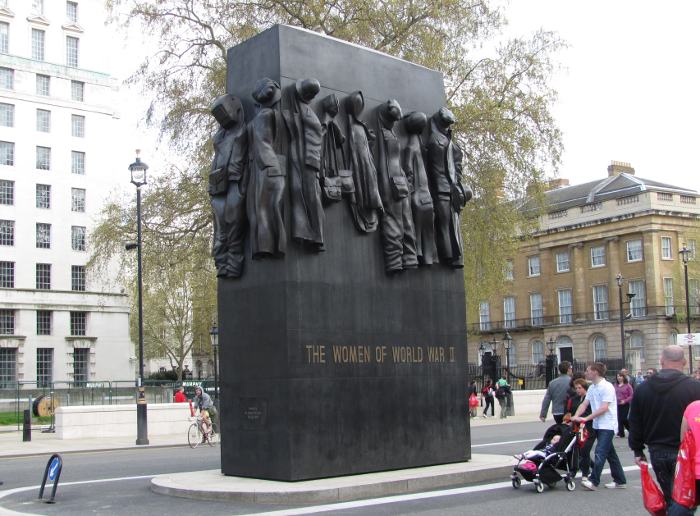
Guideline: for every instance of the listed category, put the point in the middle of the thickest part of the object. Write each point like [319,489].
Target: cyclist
[202,402]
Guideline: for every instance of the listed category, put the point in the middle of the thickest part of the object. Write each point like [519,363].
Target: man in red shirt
[180,395]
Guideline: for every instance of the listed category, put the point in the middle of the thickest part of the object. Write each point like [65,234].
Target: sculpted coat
[268,236]
[398,237]
[227,186]
[446,188]
[305,138]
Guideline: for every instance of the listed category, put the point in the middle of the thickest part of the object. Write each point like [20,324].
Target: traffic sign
[688,339]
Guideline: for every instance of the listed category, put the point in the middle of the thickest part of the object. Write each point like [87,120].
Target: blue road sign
[54,468]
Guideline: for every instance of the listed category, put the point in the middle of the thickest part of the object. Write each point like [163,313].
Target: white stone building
[58,144]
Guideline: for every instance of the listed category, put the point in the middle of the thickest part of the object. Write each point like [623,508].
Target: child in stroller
[554,458]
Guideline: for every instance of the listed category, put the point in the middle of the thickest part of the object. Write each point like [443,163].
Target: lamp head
[138,171]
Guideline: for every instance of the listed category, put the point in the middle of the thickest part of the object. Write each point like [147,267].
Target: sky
[629,84]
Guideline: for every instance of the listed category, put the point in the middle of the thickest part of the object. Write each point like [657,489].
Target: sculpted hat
[307,89]
[260,90]
[330,104]
[355,103]
[415,122]
[227,110]
[446,116]
[390,110]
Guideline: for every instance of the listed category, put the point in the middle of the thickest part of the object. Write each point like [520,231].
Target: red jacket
[180,397]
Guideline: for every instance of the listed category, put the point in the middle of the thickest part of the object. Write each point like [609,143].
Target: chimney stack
[618,167]
[559,182]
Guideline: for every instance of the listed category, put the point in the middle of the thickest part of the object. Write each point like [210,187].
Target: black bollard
[27,426]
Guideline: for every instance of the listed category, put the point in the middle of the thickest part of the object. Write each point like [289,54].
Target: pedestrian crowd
[658,413]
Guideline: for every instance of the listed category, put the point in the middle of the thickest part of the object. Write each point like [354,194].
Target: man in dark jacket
[557,393]
[656,414]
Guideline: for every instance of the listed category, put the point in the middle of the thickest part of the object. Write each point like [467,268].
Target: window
[537,352]
[7,322]
[7,192]
[692,246]
[8,367]
[78,323]
[43,322]
[77,199]
[7,232]
[587,208]
[43,158]
[77,165]
[38,39]
[600,302]
[81,364]
[72,12]
[634,251]
[508,272]
[72,51]
[77,278]
[536,310]
[38,6]
[78,238]
[43,235]
[558,214]
[694,296]
[77,126]
[7,115]
[43,85]
[43,120]
[637,343]
[44,367]
[672,337]
[43,196]
[666,248]
[7,274]
[509,312]
[77,91]
[43,276]
[565,306]
[4,37]
[598,256]
[638,304]
[533,266]
[7,153]
[600,349]
[664,196]
[7,78]
[484,316]
[668,296]
[687,199]
[563,261]
[628,200]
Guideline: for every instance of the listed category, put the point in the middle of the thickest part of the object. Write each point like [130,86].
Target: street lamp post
[549,361]
[620,280]
[138,178]
[482,349]
[214,335]
[685,254]
[507,342]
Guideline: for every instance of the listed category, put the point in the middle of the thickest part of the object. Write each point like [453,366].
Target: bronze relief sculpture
[414,195]
[365,202]
[449,194]
[305,138]
[398,237]
[421,200]
[227,184]
[268,236]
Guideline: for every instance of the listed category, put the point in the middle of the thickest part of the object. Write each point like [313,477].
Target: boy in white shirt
[601,397]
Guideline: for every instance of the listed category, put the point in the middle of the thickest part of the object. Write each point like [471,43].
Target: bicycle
[197,433]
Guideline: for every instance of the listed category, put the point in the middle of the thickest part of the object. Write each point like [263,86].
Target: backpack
[501,393]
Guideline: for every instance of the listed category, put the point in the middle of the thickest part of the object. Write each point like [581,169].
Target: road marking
[9,492]
[399,498]
[506,442]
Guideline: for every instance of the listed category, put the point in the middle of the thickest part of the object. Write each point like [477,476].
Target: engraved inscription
[319,354]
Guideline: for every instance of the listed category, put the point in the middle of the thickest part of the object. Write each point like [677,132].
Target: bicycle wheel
[194,436]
